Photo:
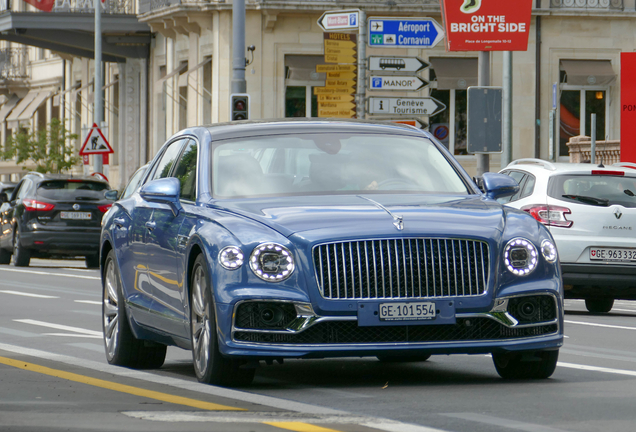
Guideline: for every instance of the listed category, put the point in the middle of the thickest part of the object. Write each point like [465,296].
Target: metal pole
[362,68]
[97,102]
[483,159]
[238,47]
[593,133]
[506,115]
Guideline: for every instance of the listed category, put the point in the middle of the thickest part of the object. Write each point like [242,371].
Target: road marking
[49,273]
[503,423]
[88,302]
[20,293]
[60,327]
[122,388]
[600,325]
[597,369]
[299,427]
[74,335]
[623,310]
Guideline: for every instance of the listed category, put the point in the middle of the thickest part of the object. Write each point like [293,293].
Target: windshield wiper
[588,200]
[628,192]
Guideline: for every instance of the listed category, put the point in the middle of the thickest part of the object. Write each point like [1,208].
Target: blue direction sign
[404,32]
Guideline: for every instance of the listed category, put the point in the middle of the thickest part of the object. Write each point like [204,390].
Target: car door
[12,212]
[161,245]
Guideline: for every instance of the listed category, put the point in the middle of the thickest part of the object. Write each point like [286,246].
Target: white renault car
[591,212]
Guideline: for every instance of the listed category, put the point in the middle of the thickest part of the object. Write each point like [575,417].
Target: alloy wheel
[110,309]
[200,321]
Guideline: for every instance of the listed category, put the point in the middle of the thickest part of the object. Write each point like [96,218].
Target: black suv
[53,215]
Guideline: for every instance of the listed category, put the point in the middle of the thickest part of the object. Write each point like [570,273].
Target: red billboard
[628,107]
[486,25]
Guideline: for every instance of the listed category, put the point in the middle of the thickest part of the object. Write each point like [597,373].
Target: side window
[23,189]
[133,183]
[520,177]
[528,188]
[186,171]
[163,167]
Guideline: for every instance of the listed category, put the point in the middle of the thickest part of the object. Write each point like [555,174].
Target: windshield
[595,190]
[331,163]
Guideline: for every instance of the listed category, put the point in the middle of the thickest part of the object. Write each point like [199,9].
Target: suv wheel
[21,256]
[599,305]
[526,365]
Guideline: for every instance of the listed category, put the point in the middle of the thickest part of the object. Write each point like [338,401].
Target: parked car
[591,212]
[53,215]
[6,188]
[268,240]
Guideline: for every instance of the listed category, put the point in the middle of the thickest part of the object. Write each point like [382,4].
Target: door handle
[119,222]
[151,225]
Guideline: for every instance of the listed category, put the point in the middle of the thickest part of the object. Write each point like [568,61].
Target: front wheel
[122,347]
[210,366]
[21,256]
[599,305]
[526,365]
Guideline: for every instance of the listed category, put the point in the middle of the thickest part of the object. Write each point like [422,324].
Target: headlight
[272,262]
[231,257]
[520,256]
[549,251]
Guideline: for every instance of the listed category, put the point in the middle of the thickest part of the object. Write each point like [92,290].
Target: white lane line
[623,310]
[599,325]
[49,273]
[20,293]
[504,423]
[88,302]
[60,327]
[74,335]
[597,369]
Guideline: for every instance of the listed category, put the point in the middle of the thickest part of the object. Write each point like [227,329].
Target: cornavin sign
[486,25]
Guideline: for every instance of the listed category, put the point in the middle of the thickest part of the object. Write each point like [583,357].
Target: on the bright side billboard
[486,25]
[628,107]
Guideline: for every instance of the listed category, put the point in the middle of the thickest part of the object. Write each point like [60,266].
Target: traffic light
[240,106]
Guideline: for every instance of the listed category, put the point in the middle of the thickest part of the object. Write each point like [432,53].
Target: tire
[121,346]
[403,358]
[526,365]
[92,261]
[210,366]
[599,305]
[21,256]
[5,256]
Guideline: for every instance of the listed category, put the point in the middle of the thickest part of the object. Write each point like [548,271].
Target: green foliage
[49,149]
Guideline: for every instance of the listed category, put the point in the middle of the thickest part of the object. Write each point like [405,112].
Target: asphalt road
[53,376]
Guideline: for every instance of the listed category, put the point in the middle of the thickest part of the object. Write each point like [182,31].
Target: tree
[48,148]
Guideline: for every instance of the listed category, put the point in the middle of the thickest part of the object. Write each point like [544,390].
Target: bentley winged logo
[618,213]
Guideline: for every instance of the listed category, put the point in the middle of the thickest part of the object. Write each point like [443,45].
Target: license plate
[613,254]
[75,215]
[407,311]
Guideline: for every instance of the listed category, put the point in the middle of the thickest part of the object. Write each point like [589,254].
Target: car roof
[542,167]
[49,176]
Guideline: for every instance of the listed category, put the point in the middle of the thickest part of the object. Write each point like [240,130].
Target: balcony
[128,7]
[13,64]
[588,5]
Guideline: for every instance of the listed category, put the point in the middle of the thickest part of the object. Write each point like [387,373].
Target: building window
[300,79]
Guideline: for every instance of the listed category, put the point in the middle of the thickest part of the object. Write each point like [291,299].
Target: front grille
[348,332]
[401,268]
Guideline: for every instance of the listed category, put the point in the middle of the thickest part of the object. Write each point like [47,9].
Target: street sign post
[410,106]
[484,119]
[339,20]
[412,122]
[396,82]
[404,32]
[95,143]
[396,64]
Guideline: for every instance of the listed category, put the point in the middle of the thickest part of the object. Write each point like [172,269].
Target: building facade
[570,70]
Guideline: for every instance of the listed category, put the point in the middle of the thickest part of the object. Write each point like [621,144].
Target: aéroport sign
[486,25]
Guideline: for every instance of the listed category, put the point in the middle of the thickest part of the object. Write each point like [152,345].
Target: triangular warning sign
[95,143]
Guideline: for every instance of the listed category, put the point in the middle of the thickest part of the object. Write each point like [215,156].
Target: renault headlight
[520,256]
[272,262]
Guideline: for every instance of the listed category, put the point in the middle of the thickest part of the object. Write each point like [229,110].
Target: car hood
[349,216]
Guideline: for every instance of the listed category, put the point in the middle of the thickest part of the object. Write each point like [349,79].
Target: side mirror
[111,194]
[499,185]
[3,197]
[165,191]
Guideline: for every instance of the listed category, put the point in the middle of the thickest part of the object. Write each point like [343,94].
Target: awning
[183,79]
[303,67]
[58,97]
[588,72]
[8,106]
[24,103]
[28,112]
[455,72]
[178,70]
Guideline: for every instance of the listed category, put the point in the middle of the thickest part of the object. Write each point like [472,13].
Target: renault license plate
[613,254]
[407,311]
[75,215]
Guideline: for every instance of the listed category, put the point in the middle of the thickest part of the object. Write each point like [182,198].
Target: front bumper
[308,335]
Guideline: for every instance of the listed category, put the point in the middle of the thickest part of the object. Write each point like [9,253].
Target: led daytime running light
[272,262]
[520,256]
[231,257]
[549,251]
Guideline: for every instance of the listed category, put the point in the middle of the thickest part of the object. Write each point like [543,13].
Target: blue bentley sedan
[271,240]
